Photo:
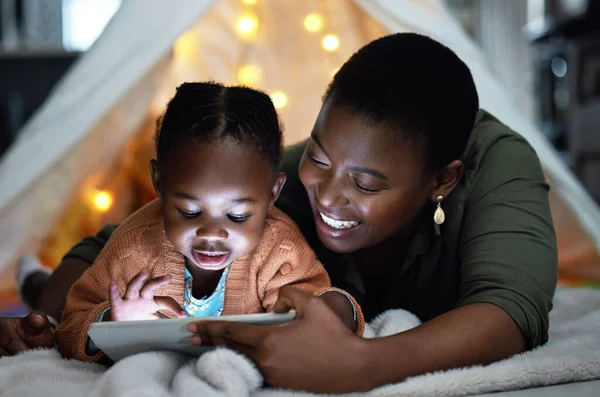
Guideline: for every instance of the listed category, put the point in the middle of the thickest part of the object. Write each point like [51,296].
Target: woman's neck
[387,256]
[383,258]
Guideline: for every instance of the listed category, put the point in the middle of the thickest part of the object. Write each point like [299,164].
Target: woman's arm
[470,335]
[54,292]
[507,244]
[329,358]
[53,295]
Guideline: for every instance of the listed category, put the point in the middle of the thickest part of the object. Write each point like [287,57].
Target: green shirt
[496,246]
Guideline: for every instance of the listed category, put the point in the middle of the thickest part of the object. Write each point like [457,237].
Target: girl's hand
[139,302]
[316,352]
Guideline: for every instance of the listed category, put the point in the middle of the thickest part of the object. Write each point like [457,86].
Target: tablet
[119,339]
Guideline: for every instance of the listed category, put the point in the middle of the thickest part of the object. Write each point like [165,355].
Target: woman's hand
[139,302]
[18,334]
[316,352]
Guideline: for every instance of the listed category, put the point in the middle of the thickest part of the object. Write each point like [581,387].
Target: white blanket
[573,354]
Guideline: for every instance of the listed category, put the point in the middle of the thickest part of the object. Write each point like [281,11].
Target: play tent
[112,94]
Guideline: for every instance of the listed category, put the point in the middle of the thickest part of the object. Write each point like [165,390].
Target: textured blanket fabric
[573,354]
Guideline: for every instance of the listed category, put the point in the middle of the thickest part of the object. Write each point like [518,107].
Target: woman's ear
[446,179]
[155,174]
[277,187]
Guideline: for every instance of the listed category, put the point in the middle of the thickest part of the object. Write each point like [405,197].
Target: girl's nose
[212,233]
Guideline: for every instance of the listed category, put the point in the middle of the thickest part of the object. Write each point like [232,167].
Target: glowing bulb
[279,99]
[331,42]
[334,71]
[247,25]
[249,75]
[313,22]
[102,201]
[186,46]
[251,2]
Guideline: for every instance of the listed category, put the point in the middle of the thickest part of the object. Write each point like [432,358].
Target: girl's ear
[277,187]
[155,174]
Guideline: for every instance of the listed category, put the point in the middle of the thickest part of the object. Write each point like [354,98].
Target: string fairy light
[102,201]
[313,22]
[249,75]
[331,42]
[186,46]
[247,26]
[279,99]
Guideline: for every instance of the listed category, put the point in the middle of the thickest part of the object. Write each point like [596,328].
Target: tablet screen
[119,339]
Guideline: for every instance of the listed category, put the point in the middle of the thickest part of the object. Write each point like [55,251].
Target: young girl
[212,243]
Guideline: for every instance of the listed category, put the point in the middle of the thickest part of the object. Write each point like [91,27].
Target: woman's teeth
[339,224]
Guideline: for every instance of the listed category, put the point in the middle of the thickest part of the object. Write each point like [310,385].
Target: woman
[413,199]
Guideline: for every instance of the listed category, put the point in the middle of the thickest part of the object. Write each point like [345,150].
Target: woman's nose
[329,193]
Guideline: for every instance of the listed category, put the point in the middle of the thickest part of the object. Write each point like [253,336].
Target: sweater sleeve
[298,271]
[290,261]
[89,296]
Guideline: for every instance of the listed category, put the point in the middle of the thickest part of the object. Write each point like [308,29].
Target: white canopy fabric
[131,70]
[96,107]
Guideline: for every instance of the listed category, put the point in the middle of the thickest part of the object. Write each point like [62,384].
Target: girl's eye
[239,218]
[189,215]
[365,189]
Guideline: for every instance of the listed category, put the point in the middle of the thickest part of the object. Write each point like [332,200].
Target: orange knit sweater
[282,258]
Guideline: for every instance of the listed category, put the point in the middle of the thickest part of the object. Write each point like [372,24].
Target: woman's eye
[364,189]
[239,218]
[316,161]
[189,214]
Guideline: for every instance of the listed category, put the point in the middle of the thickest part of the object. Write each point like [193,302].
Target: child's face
[215,198]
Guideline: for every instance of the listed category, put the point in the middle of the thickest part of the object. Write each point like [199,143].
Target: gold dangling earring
[439,216]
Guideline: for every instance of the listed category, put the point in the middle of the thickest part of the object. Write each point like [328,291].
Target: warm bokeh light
[313,22]
[247,26]
[186,46]
[334,71]
[102,201]
[331,42]
[249,75]
[160,101]
[250,2]
[279,99]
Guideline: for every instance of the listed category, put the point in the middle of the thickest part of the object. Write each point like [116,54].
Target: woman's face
[364,186]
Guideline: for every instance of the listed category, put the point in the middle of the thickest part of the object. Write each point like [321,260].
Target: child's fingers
[150,287]
[133,287]
[169,304]
[113,293]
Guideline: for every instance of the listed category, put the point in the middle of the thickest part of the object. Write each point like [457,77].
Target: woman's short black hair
[212,112]
[414,87]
